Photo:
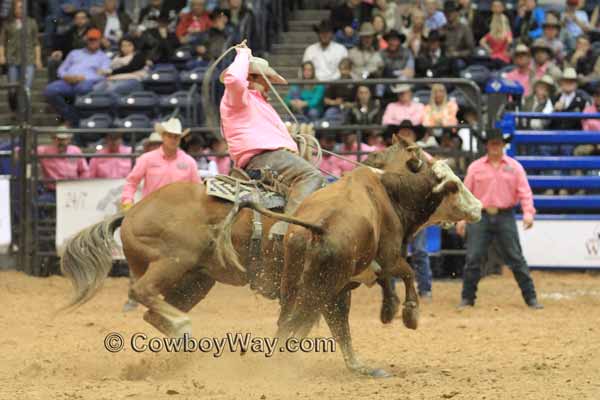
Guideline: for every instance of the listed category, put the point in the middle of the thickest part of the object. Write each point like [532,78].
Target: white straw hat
[257,65]
[154,138]
[173,126]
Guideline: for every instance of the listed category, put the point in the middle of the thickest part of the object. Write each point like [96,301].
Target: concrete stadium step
[298,37]
[288,72]
[310,15]
[286,48]
[283,60]
[36,107]
[302,25]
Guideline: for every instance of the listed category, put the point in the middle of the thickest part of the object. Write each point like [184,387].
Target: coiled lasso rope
[306,143]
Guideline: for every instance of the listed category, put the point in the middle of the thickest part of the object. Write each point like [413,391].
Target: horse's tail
[87,259]
[226,253]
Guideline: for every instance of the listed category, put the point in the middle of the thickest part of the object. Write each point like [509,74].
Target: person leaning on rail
[499,181]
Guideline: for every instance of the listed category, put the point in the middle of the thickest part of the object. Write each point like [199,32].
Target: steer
[367,216]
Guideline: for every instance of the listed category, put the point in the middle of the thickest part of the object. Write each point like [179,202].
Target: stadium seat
[162,79]
[138,102]
[188,78]
[477,73]
[96,121]
[136,121]
[460,98]
[179,100]
[181,56]
[95,102]
[422,96]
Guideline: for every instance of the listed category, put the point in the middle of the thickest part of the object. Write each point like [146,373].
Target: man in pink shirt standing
[404,108]
[162,166]
[101,167]
[56,168]
[499,181]
[258,139]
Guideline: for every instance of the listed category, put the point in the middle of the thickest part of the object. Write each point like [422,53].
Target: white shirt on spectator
[566,99]
[325,60]
[112,31]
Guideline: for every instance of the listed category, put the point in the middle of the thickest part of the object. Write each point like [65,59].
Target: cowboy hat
[547,80]
[407,124]
[172,126]
[450,6]
[494,133]
[542,44]
[257,65]
[394,34]
[569,74]
[400,88]
[366,29]
[435,36]
[154,138]
[521,49]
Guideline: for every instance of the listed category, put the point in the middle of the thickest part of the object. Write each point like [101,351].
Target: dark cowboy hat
[435,35]
[494,133]
[217,12]
[450,6]
[323,26]
[542,44]
[394,34]
[407,124]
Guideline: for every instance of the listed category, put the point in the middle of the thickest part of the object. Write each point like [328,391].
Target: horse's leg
[389,307]
[191,289]
[410,311]
[336,313]
[160,277]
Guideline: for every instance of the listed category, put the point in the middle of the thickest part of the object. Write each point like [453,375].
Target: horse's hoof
[389,309]
[410,316]
[379,373]
[370,372]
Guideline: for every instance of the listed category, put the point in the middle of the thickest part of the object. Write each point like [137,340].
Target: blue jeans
[121,87]
[57,92]
[503,228]
[420,262]
[14,70]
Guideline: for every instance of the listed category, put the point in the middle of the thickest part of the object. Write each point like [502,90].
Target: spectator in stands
[219,146]
[162,166]
[325,54]
[338,98]
[57,168]
[523,73]
[152,142]
[431,62]
[350,15]
[540,101]
[160,44]
[347,38]
[551,34]
[381,29]
[389,11]
[434,18]
[404,108]
[375,140]
[590,125]
[148,18]
[329,164]
[242,19]
[111,167]
[112,23]
[440,111]
[193,23]
[350,145]
[366,61]
[307,100]
[74,38]
[419,258]
[217,35]
[459,42]
[195,147]
[499,182]
[543,60]
[78,74]
[468,135]
[416,32]
[499,39]
[127,70]
[366,110]
[528,22]
[569,99]
[398,61]
[586,63]
[10,50]
[576,23]
[467,12]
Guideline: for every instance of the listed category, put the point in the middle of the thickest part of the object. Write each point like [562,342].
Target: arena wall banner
[82,203]
[562,242]
[5,222]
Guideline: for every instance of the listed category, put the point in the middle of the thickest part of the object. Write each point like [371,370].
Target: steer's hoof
[361,369]
[389,309]
[410,315]
[379,373]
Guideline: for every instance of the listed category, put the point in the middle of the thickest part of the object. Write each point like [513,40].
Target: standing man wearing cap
[57,168]
[398,61]
[459,42]
[162,166]
[523,74]
[404,108]
[366,61]
[78,74]
[325,54]
[107,168]
[257,137]
[499,181]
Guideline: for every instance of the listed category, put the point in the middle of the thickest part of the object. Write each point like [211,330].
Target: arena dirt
[498,350]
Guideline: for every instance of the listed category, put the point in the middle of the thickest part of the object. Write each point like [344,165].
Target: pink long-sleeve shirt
[250,124]
[157,171]
[346,166]
[523,78]
[62,168]
[396,112]
[501,187]
[111,167]
[591,124]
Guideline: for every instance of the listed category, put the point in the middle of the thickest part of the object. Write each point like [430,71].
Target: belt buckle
[492,210]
